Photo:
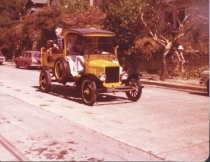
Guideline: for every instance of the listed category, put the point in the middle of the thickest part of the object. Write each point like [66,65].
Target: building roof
[92,32]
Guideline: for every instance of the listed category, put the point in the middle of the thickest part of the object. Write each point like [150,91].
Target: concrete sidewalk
[175,82]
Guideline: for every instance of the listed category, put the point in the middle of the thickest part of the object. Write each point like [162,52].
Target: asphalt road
[165,124]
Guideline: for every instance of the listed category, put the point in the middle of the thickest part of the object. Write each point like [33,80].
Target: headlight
[124,76]
[102,77]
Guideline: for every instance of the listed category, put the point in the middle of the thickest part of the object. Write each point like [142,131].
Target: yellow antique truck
[89,59]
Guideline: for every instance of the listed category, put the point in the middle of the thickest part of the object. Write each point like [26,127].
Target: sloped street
[164,125]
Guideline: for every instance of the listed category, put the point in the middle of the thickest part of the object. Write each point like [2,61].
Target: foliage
[147,47]
[11,39]
[41,25]
[195,46]
[194,73]
[72,6]
[12,9]
[36,28]
[93,17]
[124,19]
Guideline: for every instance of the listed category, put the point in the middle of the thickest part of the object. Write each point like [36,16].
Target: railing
[193,64]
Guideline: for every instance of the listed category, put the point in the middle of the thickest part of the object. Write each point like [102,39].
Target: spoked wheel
[89,92]
[45,81]
[61,70]
[134,94]
[58,70]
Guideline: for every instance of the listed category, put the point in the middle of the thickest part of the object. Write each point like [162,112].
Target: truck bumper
[117,89]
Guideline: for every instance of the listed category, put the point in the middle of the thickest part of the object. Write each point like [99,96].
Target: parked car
[28,59]
[2,58]
[205,79]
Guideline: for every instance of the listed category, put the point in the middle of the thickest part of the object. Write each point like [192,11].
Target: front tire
[88,92]
[26,66]
[45,81]
[17,65]
[134,94]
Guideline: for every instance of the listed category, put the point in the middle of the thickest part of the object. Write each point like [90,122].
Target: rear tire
[26,66]
[45,81]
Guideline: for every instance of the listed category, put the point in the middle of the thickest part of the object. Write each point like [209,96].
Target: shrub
[147,47]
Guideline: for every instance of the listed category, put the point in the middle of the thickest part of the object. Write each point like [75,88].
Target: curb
[174,85]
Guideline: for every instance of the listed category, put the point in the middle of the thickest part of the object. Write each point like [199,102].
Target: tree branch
[16,14]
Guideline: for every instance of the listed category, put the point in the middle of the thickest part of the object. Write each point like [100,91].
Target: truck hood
[103,63]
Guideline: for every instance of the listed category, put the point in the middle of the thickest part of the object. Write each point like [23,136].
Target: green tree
[74,5]
[123,17]
[10,13]
[36,28]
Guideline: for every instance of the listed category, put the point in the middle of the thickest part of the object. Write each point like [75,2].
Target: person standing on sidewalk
[181,59]
[178,60]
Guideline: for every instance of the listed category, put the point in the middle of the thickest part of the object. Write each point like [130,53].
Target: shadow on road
[71,93]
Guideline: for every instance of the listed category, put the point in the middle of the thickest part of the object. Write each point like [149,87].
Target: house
[33,5]
[197,10]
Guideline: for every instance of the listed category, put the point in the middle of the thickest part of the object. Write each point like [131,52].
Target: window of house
[169,17]
[181,14]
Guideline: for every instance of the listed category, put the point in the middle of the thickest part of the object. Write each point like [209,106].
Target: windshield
[99,45]
[36,55]
[80,45]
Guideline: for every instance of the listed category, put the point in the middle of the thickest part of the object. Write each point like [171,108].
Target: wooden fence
[193,64]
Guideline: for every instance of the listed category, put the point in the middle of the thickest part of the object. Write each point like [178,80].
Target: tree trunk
[164,70]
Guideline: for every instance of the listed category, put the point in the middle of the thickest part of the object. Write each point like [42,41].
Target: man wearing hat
[177,59]
[181,58]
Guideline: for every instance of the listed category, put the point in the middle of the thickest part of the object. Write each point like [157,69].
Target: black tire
[88,92]
[26,66]
[45,81]
[135,94]
[61,70]
[17,65]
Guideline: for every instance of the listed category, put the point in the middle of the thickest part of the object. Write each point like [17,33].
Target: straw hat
[180,47]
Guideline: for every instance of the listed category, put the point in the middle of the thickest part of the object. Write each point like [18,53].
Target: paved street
[165,124]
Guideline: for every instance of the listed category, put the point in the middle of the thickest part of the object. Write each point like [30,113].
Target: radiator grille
[112,74]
